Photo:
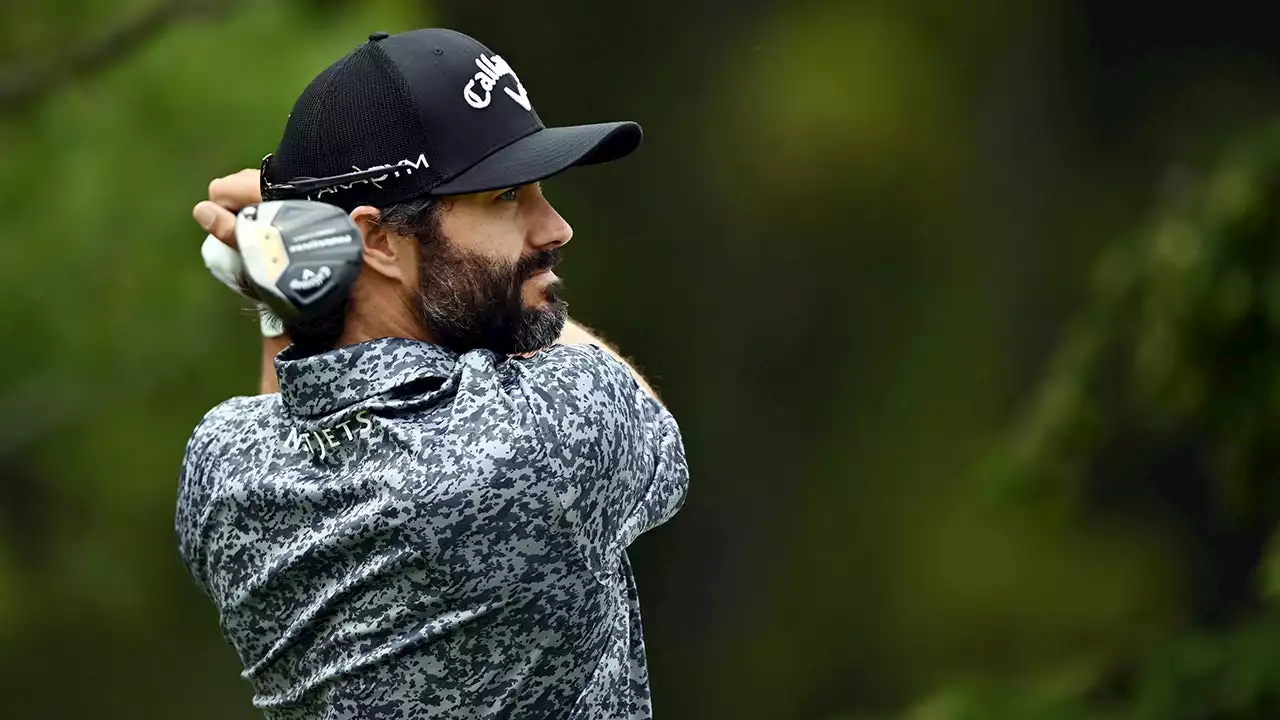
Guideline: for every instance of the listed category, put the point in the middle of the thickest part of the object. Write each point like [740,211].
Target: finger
[217,221]
[236,191]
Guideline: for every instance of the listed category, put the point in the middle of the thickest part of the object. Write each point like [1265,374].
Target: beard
[468,301]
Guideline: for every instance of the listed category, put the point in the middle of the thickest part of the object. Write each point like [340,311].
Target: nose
[552,230]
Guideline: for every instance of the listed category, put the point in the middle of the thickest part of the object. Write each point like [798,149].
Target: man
[430,518]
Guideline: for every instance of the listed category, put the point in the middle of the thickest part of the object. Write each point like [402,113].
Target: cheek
[504,245]
[497,238]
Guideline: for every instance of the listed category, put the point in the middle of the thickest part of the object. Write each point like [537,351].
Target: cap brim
[544,153]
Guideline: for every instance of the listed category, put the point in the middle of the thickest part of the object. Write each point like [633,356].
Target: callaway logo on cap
[425,112]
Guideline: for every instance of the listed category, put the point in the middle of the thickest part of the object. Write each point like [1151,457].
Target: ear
[385,252]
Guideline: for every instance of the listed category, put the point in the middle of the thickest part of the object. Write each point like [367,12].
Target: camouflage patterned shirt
[405,532]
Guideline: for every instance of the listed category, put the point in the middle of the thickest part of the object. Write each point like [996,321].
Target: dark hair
[418,218]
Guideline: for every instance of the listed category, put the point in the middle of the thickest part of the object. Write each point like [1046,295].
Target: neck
[371,318]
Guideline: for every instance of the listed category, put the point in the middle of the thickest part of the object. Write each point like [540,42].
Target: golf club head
[302,256]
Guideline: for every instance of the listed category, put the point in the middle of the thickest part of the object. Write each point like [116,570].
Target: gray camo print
[404,532]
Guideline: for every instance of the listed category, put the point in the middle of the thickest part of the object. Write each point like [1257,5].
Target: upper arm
[618,451]
[194,494]
[196,488]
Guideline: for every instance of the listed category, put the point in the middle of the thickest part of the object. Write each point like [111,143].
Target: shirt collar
[327,382]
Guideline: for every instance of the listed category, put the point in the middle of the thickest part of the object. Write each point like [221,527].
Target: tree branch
[22,85]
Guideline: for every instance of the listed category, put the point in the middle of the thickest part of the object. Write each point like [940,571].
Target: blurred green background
[970,313]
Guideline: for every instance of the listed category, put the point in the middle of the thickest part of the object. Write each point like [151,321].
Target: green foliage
[1179,337]
[1232,675]
[1179,340]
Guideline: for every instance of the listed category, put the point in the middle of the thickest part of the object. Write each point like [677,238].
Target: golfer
[430,517]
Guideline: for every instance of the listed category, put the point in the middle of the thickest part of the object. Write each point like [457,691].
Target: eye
[510,195]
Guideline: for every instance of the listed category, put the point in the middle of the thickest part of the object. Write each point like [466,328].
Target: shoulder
[235,411]
[577,374]
[581,392]
[573,363]
[227,421]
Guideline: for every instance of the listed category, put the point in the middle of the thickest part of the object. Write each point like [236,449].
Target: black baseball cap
[424,112]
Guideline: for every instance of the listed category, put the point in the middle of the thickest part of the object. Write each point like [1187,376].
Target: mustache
[543,260]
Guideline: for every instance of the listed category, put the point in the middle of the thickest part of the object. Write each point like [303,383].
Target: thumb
[217,221]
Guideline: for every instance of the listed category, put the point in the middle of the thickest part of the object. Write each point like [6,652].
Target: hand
[227,196]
